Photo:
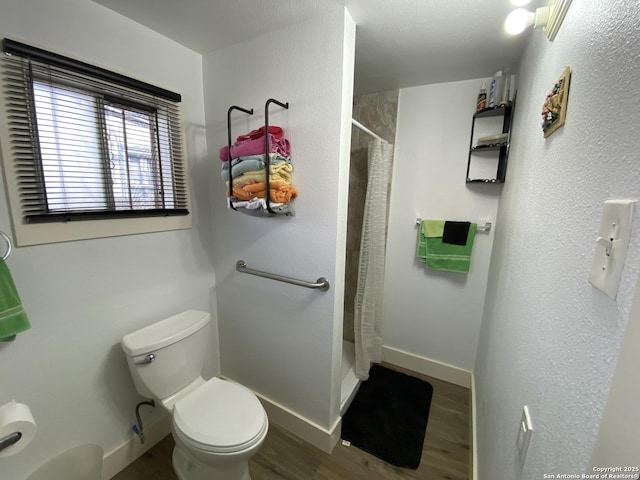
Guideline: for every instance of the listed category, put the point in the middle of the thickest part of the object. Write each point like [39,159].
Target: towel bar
[482,227]
[8,240]
[320,284]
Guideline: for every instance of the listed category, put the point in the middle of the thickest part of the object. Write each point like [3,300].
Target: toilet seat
[220,417]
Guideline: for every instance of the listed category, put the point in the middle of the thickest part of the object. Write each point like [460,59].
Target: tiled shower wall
[378,112]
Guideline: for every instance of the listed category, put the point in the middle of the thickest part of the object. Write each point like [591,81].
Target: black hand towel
[455,233]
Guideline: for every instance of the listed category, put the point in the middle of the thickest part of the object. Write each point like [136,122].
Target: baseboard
[123,455]
[120,457]
[302,427]
[474,430]
[427,366]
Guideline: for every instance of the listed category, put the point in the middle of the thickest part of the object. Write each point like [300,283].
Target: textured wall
[617,438]
[82,297]
[429,313]
[378,112]
[549,339]
[281,340]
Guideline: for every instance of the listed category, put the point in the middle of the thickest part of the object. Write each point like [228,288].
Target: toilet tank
[168,355]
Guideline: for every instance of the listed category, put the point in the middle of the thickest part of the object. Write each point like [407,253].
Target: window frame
[85,225]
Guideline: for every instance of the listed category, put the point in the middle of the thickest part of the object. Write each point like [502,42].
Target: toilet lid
[220,416]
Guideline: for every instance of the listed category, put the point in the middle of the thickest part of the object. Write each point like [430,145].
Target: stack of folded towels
[247,157]
[445,245]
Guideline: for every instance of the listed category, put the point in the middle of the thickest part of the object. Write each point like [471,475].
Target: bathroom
[535,328]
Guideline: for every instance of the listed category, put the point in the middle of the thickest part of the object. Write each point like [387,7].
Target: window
[88,152]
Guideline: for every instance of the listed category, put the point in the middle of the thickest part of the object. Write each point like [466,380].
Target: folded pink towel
[259,133]
[256,147]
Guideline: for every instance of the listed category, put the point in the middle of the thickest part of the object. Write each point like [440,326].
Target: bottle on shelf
[495,90]
[482,98]
[506,88]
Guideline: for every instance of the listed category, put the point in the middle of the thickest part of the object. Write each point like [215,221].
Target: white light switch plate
[606,270]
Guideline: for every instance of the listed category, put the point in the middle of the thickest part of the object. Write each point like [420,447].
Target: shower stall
[377,112]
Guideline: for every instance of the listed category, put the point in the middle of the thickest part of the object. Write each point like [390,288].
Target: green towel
[432,228]
[13,319]
[445,256]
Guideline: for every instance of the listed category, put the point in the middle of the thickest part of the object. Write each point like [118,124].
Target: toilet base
[189,468]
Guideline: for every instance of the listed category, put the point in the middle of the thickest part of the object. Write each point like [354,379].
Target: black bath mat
[388,417]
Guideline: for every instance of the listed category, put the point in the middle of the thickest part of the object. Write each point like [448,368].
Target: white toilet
[218,425]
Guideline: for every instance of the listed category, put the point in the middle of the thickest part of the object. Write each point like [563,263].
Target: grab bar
[321,284]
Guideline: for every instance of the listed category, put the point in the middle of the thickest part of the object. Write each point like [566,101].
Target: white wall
[430,313]
[549,339]
[82,297]
[617,444]
[281,340]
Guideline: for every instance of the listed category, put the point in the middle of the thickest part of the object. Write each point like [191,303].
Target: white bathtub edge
[349,388]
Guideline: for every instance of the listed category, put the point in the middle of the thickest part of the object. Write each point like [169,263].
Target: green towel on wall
[13,319]
[432,228]
[445,256]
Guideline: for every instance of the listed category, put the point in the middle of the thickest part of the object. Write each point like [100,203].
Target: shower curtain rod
[366,130]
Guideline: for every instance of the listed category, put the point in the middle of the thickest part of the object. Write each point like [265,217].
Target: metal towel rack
[483,225]
[266,149]
[248,111]
[267,162]
[321,283]
[8,240]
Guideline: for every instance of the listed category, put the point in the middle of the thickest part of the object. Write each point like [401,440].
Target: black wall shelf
[485,151]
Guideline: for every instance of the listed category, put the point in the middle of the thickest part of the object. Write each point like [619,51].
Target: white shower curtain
[368,300]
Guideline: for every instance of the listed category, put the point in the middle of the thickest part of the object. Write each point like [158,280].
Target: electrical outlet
[525,430]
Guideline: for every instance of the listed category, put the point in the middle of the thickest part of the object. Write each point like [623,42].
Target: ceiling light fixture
[549,17]
[520,19]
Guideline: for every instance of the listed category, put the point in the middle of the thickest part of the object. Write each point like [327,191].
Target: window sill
[39,234]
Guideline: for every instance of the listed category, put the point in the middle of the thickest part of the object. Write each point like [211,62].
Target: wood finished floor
[445,455]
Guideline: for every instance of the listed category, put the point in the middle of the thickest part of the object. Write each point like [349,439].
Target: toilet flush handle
[148,359]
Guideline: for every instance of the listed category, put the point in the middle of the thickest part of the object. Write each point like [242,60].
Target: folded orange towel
[279,192]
